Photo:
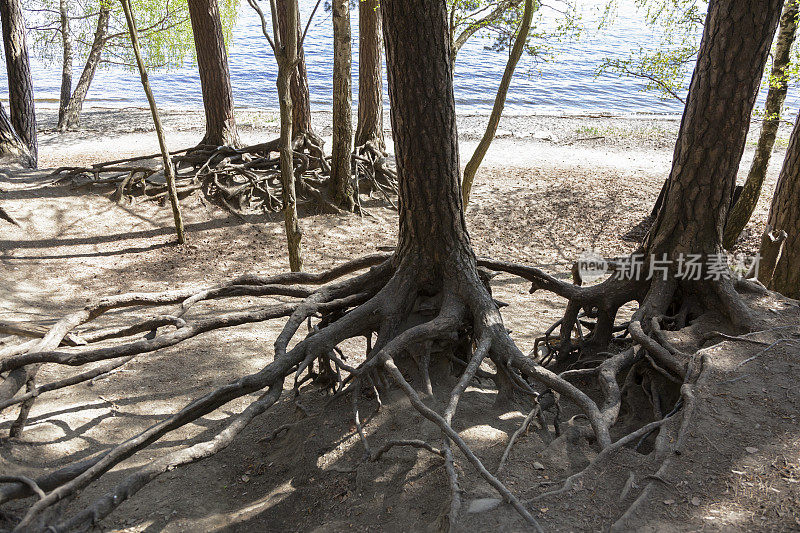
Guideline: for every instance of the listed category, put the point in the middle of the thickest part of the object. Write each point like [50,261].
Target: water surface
[567,84]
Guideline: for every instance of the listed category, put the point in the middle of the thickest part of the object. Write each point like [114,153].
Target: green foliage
[165,31]
[665,65]
[500,19]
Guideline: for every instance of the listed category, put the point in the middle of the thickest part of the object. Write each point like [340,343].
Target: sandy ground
[550,187]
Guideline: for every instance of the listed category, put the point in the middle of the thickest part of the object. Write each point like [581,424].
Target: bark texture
[370,79]
[432,227]
[72,113]
[780,265]
[20,84]
[215,77]
[342,146]
[734,49]
[778,87]
[12,148]
[685,240]
[288,55]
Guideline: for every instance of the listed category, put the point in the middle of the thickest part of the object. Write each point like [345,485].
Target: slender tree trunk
[499,102]
[11,146]
[778,87]
[169,169]
[370,78]
[73,111]
[342,148]
[456,42]
[301,99]
[288,55]
[215,77]
[66,63]
[285,46]
[294,234]
[780,257]
[20,84]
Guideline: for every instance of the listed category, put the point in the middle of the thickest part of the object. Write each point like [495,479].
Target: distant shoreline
[50,104]
[613,132]
[537,147]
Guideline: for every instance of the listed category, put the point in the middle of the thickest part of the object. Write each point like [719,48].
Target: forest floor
[550,188]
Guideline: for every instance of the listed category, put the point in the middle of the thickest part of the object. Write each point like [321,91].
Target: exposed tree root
[668,445]
[242,180]
[411,336]
[588,329]
[520,430]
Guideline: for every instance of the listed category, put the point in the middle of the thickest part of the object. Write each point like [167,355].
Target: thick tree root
[241,180]
[668,445]
[407,330]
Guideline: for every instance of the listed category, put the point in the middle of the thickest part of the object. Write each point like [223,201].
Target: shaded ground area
[539,200]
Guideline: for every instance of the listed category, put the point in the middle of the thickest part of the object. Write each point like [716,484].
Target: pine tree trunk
[433,234]
[681,269]
[714,127]
[780,264]
[778,87]
[342,148]
[20,84]
[73,111]
[12,149]
[66,63]
[301,99]
[370,79]
[215,78]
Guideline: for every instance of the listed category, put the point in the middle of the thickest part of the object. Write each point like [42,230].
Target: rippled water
[566,85]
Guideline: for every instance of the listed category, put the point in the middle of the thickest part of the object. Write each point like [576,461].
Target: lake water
[565,85]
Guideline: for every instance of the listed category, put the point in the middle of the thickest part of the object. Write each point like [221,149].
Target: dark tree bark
[342,146]
[433,233]
[12,149]
[20,84]
[697,195]
[428,292]
[778,87]
[780,246]
[710,145]
[714,127]
[434,258]
[215,78]
[370,80]
[72,113]
[66,63]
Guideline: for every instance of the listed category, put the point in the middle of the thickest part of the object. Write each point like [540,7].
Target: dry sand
[549,188]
